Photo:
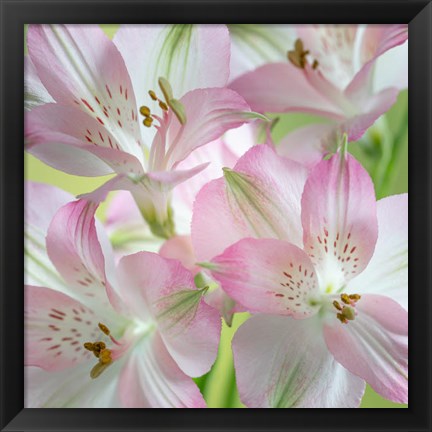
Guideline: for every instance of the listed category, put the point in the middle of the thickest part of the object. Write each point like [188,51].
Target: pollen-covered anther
[298,55]
[105,360]
[346,310]
[153,95]
[345,298]
[101,352]
[89,346]
[341,318]
[163,105]
[350,299]
[104,329]
[96,348]
[148,121]
[337,305]
[169,103]
[145,111]
[105,356]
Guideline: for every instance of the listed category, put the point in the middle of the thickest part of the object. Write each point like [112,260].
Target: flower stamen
[170,103]
[298,55]
[346,310]
[101,352]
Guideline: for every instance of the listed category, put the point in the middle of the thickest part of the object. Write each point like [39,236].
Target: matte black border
[14,14]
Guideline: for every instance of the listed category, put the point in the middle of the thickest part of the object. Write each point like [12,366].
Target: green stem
[388,176]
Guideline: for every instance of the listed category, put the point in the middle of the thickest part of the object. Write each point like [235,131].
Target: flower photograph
[216,216]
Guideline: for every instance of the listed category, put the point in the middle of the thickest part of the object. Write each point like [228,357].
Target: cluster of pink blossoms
[210,217]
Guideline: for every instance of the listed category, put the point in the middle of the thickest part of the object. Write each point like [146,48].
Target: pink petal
[333,46]
[191,55]
[238,141]
[374,345]
[259,198]
[81,67]
[254,45]
[211,209]
[181,249]
[330,90]
[391,69]
[122,210]
[128,231]
[282,87]
[70,159]
[189,328]
[41,203]
[371,109]
[210,112]
[119,182]
[152,379]
[170,179]
[387,271]
[74,249]
[339,219]
[34,92]
[57,326]
[219,300]
[71,388]
[281,363]
[219,155]
[268,276]
[377,40]
[152,196]
[52,129]
[307,145]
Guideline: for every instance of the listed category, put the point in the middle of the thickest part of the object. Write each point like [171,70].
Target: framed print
[216,215]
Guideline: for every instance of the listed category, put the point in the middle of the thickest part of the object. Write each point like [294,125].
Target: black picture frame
[16,13]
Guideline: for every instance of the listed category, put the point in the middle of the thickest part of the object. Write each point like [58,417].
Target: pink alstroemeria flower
[128,231]
[100,335]
[135,106]
[325,278]
[331,72]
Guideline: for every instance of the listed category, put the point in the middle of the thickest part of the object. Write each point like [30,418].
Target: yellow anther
[337,305]
[104,329]
[355,297]
[345,298]
[99,346]
[347,309]
[163,105]
[315,64]
[105,356]
[98,369]
[145,111]
[298,56]
[348,313]
[147,121]
[341,318]
[101,352]
[153,95]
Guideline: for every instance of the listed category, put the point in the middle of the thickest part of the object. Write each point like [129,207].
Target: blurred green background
[383,151]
